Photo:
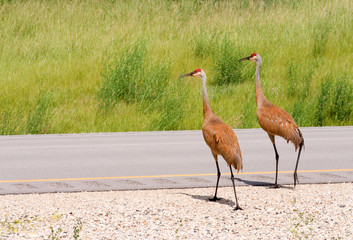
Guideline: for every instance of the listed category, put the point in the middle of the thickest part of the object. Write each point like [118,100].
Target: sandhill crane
[219,137]
[274,120]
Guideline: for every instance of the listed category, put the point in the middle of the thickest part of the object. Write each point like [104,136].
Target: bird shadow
[206,198]
[254,183]
[262,184]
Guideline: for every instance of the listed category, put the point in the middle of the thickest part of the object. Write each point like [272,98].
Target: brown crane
[274,120]
[219,137]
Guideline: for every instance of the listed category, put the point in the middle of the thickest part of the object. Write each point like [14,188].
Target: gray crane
[219,137]
[274,120]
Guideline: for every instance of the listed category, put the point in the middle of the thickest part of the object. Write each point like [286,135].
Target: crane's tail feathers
[297,139]
[238,167]
[238,163]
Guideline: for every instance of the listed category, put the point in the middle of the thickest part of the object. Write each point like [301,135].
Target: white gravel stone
[322,211]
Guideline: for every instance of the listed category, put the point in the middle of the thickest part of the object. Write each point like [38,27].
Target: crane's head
[253,57]
[197,73]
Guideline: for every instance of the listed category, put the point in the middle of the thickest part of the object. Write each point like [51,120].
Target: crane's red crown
[254,54]
[197,70]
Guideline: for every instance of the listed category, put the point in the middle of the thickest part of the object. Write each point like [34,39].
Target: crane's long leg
[237,207]
[277,160]
[296,165]
[272,138]
[215,198]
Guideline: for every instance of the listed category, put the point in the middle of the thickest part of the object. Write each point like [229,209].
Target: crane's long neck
[259,95]
[206,103]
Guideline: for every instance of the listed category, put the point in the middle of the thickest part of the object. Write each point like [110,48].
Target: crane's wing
[276,121]
[223,141]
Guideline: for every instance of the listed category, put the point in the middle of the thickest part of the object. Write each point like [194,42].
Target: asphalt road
[149,160]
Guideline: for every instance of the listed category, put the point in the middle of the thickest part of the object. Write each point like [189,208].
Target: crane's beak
[185,75]
[246,58]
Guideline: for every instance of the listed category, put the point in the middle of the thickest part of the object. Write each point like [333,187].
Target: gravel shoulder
[319,211]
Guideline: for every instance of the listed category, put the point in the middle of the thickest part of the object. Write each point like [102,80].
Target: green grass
[101,66]
[301,223]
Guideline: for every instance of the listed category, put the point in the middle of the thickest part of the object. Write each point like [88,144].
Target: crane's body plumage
[277,122]
[274,120]
[219,137]
[222,141]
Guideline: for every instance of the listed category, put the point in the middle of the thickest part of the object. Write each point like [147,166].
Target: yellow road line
[166,176]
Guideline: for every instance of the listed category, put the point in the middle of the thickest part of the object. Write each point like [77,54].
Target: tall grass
[125,81]
[334,101]
[39,116]
[93,66]
[226,64]
[171,110]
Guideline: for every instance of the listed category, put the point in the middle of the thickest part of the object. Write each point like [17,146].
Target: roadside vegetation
[106,66]
[20,228]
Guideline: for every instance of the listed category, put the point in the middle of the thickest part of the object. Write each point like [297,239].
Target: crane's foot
[237,208]
[276,186]
[214,199]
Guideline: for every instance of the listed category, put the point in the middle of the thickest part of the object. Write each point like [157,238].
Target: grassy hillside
[98,66]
